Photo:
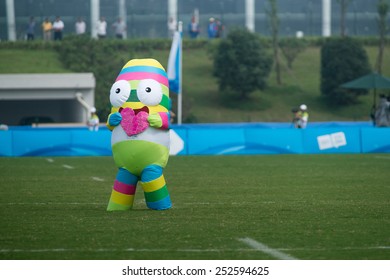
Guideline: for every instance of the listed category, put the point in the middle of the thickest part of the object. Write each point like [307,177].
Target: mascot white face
[142,82]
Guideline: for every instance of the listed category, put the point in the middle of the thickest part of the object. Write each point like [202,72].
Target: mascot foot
[117,207]
[163,204]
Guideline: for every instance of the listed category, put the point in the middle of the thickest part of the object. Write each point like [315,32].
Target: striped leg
[123,192]
[155,188]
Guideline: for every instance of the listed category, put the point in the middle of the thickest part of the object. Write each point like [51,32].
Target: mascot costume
[139,122]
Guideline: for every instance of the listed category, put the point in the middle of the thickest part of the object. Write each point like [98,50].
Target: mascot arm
[159,120]
[113,120]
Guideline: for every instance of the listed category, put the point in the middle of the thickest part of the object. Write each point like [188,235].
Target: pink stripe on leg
[124,188]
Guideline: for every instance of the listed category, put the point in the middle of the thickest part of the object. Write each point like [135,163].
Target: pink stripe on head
[143,75]
[124,188]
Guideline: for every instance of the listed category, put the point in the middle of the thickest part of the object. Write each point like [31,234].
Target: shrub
[241,64]
[342,60]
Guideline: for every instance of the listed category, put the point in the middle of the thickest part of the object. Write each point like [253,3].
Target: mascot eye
[149,92]
[119,93]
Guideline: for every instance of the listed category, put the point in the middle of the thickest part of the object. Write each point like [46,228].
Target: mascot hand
[159,120]
[114,119]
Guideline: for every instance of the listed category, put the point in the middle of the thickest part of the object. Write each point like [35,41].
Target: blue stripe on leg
[162,204]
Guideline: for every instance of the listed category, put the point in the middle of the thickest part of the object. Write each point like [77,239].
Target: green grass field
[304,206]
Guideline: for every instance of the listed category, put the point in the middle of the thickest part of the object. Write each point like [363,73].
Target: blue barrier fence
[207,139]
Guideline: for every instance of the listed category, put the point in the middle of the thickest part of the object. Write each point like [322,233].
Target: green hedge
[106,57]
[161,44]
[342,60]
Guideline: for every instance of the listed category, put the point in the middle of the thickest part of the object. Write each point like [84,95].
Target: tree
[383,8]
[291,47]
[274,21]
[342,60]
[343,10]
[241,64]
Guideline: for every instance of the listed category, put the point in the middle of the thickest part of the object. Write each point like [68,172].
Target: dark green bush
[342,60]
[241,64]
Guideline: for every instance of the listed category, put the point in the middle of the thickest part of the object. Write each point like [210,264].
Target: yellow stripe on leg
[121,198]
[153,185]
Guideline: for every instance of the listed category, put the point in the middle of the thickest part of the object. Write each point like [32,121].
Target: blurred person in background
[30,29]
[301,117]
[193,28]
[220,29]
[119,28]
[93,120]
[101,27]
[46,29]
[382,112]
[172,27]
[80,26]
[212,28]
[58,26]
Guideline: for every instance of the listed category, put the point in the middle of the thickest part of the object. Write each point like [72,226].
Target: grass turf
[307,206]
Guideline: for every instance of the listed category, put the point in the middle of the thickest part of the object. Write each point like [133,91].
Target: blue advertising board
[206,139]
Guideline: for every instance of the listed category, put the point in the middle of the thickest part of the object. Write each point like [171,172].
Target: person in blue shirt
[212,28]
[193,28]
[30,29]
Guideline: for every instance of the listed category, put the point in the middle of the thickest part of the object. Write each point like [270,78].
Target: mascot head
[142,85]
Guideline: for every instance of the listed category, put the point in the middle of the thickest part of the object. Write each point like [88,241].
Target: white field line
[142,201]
[106,250]
[71,167]
[232,203]
[97,179]
[52,203]
[265,249]
[135,202]
[45,250]
[383,157]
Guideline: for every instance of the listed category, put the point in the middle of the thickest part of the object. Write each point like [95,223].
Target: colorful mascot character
[139,122]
